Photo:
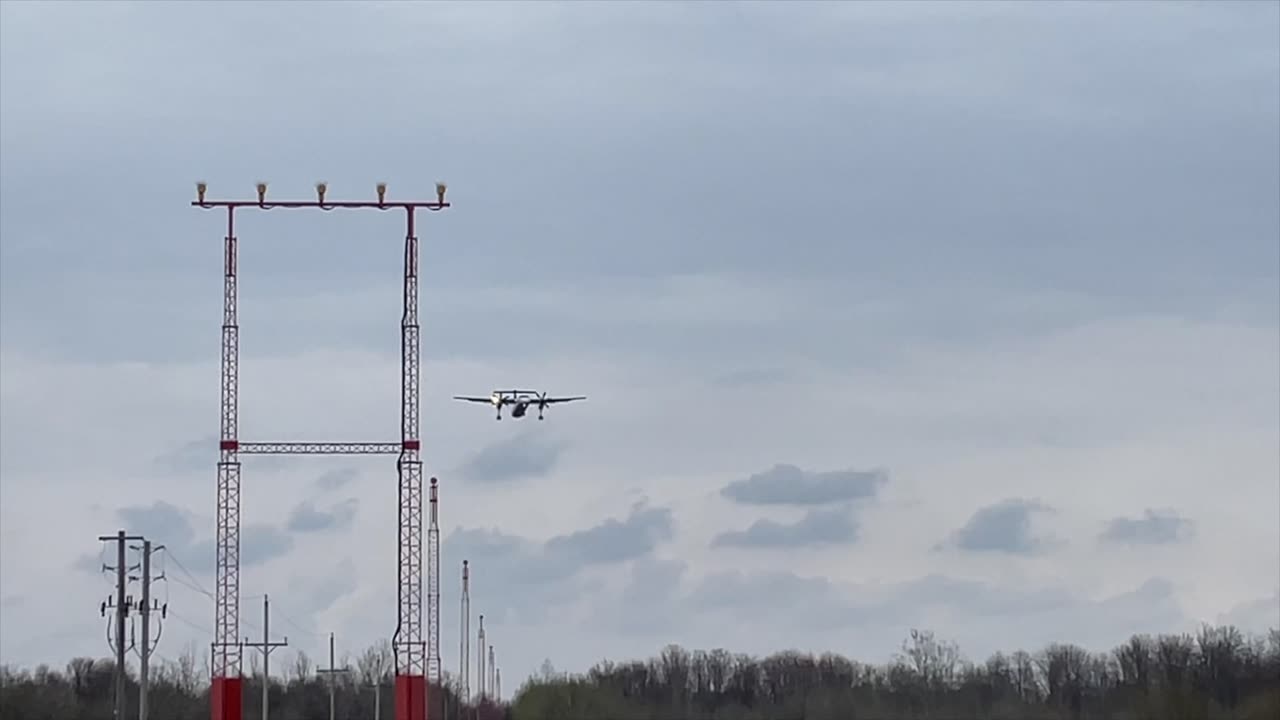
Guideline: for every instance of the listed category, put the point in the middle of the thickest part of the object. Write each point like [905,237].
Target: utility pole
[266,646]
[332,671]
[497,683]
[145,608]
[121,608]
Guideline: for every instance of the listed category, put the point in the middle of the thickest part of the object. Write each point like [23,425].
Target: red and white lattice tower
[409,648]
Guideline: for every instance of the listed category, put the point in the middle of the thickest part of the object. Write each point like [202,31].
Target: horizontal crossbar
[295,204]
[298,448]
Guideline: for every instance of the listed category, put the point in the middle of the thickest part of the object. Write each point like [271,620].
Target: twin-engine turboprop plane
[519,400]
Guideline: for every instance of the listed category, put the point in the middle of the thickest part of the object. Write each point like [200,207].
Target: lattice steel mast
[410,650]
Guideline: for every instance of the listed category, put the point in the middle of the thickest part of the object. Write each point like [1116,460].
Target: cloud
[316,594]
[1155,527]
[1004,527]
[535,577]
[948,322]
[336,479]
[649,602]
[1258,615]
[306,518]
[615,540]
[789,485]
[166,524]
[817,527]
[529,454]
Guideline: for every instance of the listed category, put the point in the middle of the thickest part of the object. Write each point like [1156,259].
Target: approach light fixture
[440,188]
[201,187]
[321,187]
[262,193]
[382,193]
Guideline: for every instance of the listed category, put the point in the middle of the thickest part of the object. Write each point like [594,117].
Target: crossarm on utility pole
[266,646]
[332,672]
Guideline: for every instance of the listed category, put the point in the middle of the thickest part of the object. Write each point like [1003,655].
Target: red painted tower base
[224,698]
[411,697]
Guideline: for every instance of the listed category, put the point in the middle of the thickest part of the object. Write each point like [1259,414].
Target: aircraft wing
[564,399]
[473,399]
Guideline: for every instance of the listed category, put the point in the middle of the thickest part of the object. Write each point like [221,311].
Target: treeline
[1215,673]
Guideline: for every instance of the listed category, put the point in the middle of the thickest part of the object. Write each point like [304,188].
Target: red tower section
[411,652]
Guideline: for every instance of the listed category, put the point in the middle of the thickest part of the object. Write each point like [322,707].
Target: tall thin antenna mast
[480,661]
[464,652]
[434,670]
[491,665]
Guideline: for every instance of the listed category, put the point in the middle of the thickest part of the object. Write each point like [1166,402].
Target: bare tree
[374,664]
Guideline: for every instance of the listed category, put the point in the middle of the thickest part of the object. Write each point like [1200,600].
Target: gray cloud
[785,484]
[1002,527]
[307,518]
[165,524]
[318,594]
[1256,615]
[817,527]
[259,543]
[525,578]
[746,592]
[529,454]
[1155,527]
[649,602]
[615,540]
[202,455]
[336,479]
[692,133]
[161,522]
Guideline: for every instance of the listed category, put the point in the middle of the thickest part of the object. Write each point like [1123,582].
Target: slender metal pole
[266,654]
[331,666]
[145,608]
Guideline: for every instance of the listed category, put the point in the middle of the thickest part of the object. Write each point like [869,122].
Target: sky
[957,316]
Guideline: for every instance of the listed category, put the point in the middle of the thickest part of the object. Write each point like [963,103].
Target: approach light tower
[410,651]
[434,675]
[464,652]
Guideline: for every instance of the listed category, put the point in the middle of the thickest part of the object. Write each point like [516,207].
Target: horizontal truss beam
[301,448]
[295,204]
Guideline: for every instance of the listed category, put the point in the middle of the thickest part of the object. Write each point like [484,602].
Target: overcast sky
[955,316]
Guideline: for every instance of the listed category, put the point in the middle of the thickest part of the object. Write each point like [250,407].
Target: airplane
[519,400]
